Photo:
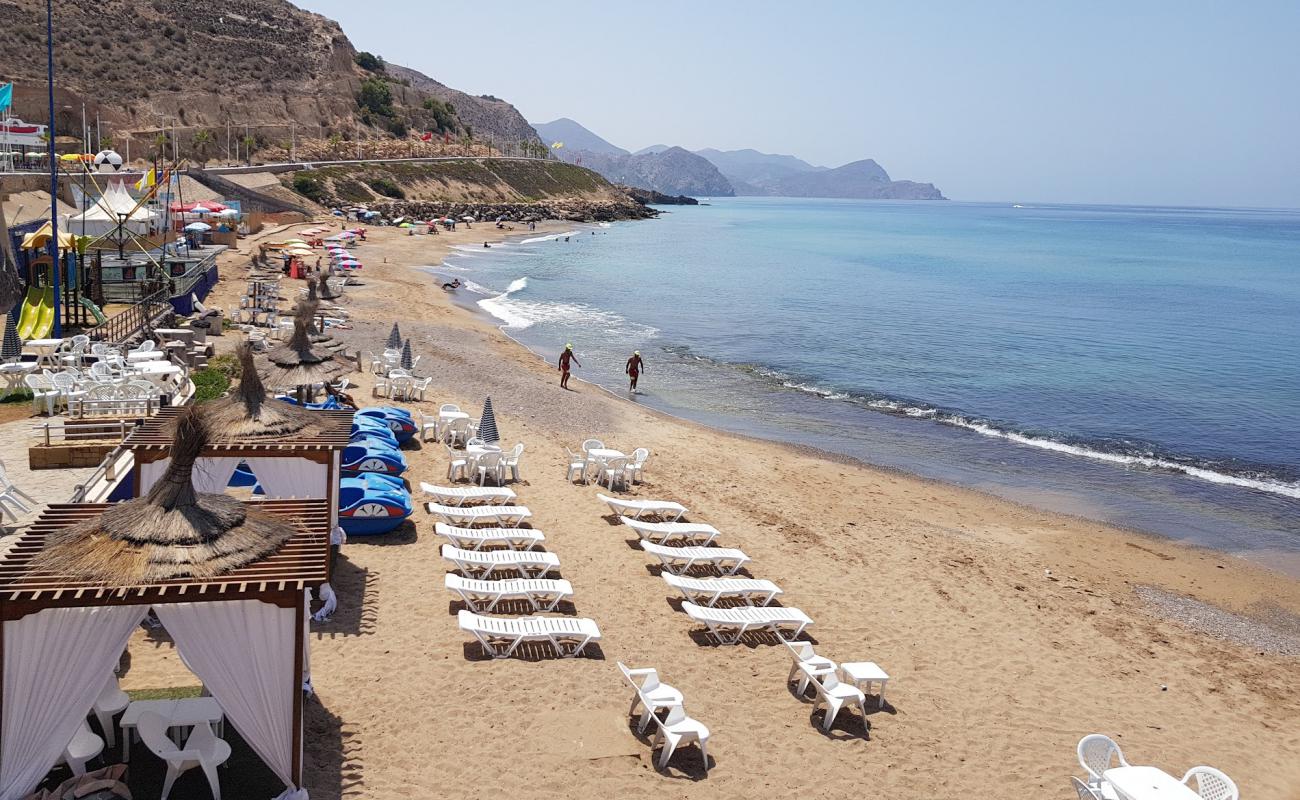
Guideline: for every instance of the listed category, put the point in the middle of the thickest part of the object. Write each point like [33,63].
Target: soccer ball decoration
[108,161]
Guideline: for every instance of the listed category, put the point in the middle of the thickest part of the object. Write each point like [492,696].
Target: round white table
[448,416]
[44,350]
[13,375]
[159,372]
[474,452]
[604,454]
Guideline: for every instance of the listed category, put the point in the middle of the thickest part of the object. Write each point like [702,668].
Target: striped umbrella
[11,348]
[394,338]
[487,424]
[408,359]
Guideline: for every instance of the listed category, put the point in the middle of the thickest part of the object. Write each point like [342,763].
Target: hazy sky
[1186,103]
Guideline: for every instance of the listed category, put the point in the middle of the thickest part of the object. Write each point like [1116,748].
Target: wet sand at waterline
[1008,632]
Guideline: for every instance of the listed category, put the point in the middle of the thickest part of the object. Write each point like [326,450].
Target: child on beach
[565,358]
[633,369]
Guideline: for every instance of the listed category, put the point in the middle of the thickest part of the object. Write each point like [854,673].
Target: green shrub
[209,384]
[369,62]
[397,127]
[308,187]
[375,96]
[227,365]
[387,188]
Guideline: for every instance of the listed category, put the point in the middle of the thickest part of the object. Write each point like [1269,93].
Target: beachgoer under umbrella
[633,369]
[566,358]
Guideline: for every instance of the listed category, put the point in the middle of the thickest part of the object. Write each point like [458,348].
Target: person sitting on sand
[633,369]
[565,358]
[455,284]
[485,244]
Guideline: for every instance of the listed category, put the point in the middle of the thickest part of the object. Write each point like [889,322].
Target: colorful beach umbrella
[198,226]
[394,338]
[408,358]
[11,348]
[487,424]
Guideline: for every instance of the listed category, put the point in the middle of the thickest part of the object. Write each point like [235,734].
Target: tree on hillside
[335,140]
[376,97]
[370,62]
[202,141]
[249,143]
[160,145]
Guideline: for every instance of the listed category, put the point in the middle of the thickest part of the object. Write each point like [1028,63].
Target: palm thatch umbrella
[300,362]
[247,412]
[172,532]
[324,290]
[394,338]
[322,341]
[312,296]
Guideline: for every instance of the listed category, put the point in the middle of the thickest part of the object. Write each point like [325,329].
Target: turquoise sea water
[1133,365]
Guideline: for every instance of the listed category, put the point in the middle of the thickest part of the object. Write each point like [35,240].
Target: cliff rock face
[755,173]
[284,72]
[672,172]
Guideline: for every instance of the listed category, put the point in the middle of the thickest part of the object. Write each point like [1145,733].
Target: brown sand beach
[1008,632]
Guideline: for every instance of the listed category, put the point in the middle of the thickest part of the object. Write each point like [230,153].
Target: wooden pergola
[152,441]
[280,578]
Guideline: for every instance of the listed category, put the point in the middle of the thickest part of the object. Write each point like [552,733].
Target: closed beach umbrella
[11,349]
[394,338]
[487,424]
[408,358]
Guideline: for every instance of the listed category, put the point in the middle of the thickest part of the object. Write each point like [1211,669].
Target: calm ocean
[1132,365]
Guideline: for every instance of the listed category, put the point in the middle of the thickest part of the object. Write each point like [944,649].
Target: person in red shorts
[566,358]
[633,370]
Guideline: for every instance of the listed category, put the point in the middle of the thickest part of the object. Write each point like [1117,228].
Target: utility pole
[293,133]
[55,264]
[228,142]
[99,134]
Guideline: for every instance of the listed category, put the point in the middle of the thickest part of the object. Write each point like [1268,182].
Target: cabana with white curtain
[241,631]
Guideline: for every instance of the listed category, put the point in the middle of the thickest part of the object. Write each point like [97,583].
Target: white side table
[864,673]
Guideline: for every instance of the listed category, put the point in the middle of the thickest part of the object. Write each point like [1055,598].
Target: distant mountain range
[722,173]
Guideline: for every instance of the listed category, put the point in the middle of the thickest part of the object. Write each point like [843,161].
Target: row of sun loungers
[482,554]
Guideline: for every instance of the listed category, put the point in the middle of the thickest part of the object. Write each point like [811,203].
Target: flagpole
[56,265]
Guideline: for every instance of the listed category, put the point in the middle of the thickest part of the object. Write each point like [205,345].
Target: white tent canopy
[102,217]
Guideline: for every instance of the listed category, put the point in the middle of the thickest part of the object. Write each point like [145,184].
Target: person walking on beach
[633,370]
[565,358]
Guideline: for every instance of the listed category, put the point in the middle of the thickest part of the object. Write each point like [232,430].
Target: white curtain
[56,663]
[243,651]
[290,477]
[211,474]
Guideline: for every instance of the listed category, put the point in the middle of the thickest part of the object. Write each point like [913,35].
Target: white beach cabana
[103,216]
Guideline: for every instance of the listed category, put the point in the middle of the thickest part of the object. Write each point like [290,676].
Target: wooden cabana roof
[299,563]
[156,434]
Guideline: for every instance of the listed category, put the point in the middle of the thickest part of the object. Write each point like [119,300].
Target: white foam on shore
[517,314]
[549,238]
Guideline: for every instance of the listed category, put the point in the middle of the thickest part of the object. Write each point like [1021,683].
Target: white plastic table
[859,673]
[179,714]
[476,451]
[44,349]
[604,454]
[152,355]
[157,371]
[448,416]
[13,375]
[1148,783]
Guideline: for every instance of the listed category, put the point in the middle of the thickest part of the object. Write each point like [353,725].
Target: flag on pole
[427,136]
[6,96]
[148,180]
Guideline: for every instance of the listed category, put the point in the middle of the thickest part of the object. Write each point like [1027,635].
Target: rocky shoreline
[650,197]
[570,210]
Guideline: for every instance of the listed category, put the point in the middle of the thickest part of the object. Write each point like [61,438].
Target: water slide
[37,317]
[94,310]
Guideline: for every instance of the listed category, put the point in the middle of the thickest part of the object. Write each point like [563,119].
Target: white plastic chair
[43,391]
[448,407]
[456,431]
[428,425]
[592,444]
[84,746]
[490,464]
[457,464]
[833,694]
[1211,784]
[111,701]
[1096,751]
[419,386]
[651,694]
[1085,791]
[636,465]
[676,728]
[510,461]
[577,464]
[202,749]
[802,655]
[615,469]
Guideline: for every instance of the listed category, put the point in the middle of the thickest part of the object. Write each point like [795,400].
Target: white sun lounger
[729,624]
[670,512]
[680,559]
[696,533]
[480,563]
[501,636]
[501,516]
[542,593]
[475,538]
[708,591]
[460,495]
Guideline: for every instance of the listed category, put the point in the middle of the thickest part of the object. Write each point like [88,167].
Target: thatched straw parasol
[247,412]
[173,532]
[312,295]
[324,290]
[321,341]
[300,362]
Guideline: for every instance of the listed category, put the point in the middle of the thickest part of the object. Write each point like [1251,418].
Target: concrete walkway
[46,485]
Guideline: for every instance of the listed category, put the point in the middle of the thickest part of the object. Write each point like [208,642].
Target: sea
[1132,365]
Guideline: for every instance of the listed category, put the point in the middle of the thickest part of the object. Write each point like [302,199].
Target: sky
[1161,103]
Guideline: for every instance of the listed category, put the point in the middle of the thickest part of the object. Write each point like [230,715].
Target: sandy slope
[1009,632]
